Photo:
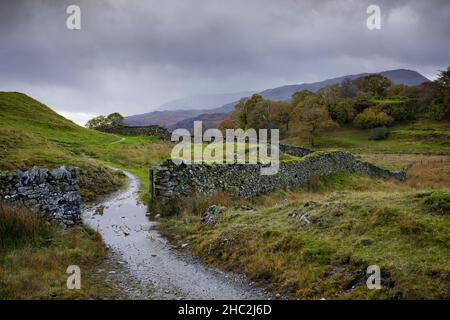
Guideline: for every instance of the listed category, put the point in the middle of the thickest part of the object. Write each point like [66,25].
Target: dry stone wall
[55,193]
[245,180]
[295,151]
[153,130]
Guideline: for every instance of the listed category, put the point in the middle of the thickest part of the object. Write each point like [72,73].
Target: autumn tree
[343,111]
[314,116]
[97,123]
[439,108]
[282,114]
[330,96]
[102,123]
[373,84]
[244,108]
[300,96]
[444,79]
[115,120]
[348,89]
[228,123]
[372,118]
[260,115]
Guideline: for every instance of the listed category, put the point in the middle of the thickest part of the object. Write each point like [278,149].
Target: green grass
[33,134]
[134,154]
[388,101]
[35,255]
[420,137]
[22,112]
[327,258]
[439,201]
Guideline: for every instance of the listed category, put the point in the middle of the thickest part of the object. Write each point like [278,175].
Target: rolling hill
[21,112]
[32,134]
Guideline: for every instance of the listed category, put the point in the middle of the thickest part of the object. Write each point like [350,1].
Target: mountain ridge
[173,119]
[203,101]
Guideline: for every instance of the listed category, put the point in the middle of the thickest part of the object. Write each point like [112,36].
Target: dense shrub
[343,111]
[372,118]
[399,109]
[437,111]
[362,103]
[379,133]
[397,90]
[439,201]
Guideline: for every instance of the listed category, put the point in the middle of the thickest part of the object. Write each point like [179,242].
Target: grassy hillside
[23,112]
[33,134]
[318,244]
[418,137]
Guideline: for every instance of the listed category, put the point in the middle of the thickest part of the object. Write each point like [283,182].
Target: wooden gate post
[151,183]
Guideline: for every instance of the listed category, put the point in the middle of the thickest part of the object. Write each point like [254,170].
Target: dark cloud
[132,56]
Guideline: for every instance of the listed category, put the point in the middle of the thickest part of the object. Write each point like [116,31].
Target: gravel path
[153,268]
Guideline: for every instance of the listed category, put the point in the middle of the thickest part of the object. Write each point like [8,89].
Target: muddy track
[152,268]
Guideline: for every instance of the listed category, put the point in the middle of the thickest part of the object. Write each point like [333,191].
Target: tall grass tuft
[19,226]
[194,205]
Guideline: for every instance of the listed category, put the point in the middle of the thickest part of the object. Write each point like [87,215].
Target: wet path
[156,270]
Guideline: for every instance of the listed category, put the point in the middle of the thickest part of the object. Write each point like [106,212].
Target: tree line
[368,102]
[102,123]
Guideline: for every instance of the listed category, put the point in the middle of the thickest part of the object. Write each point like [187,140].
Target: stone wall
[295,151]
[155,130]
[54,193]
[245,180]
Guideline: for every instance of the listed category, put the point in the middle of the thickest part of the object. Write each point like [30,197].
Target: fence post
[151,183]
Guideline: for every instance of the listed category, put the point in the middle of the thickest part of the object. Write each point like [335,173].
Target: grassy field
[419,137]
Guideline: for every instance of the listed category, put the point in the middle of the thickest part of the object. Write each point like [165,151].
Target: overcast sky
[131,56]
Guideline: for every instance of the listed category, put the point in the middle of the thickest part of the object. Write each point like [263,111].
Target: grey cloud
[132,56]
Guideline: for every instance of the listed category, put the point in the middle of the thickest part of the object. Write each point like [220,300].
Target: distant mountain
[209,120]
[204,101]
[182,118]
[185,108]
[162,118]
[284,93]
